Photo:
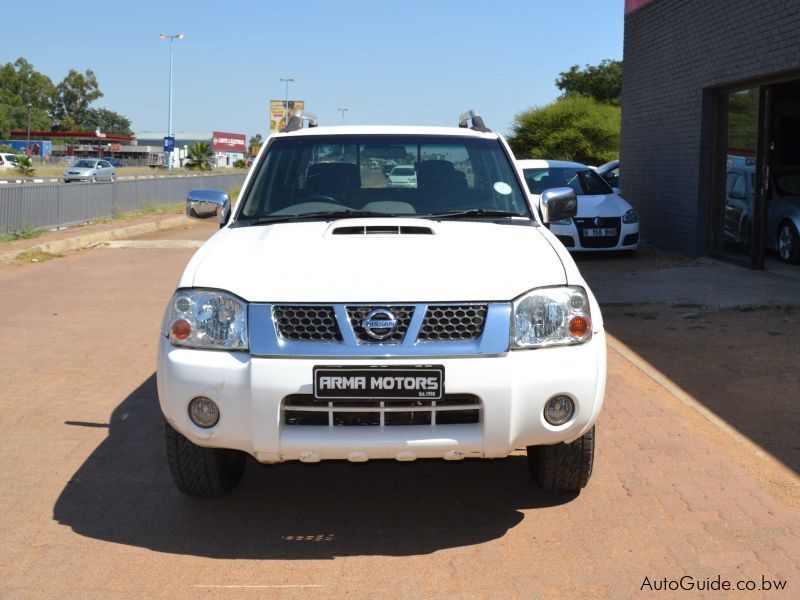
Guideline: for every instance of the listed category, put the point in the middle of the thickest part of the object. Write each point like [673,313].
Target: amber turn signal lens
[182,329]
[579,327]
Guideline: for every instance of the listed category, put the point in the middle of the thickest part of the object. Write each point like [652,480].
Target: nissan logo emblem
[379,324]
[597,221]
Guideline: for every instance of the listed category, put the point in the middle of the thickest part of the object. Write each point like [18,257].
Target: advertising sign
[34,148]
[228,142]
[169,144]
[277,113]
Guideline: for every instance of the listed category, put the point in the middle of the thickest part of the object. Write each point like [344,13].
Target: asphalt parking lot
[90,508]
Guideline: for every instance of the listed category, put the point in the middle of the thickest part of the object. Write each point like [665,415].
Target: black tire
[199,471]
[563,467]
[788,243]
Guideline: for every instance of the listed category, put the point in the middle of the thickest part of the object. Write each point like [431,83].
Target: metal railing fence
[59,204]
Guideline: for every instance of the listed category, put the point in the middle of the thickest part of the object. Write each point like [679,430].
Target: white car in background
[7,161]
[91,170]
[605,221]
[402,176]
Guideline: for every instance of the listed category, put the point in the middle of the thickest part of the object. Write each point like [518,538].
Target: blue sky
[401,63]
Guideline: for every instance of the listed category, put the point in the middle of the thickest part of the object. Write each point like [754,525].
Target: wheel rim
[785,242]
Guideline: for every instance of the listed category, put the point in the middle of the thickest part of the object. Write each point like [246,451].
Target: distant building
[227,147]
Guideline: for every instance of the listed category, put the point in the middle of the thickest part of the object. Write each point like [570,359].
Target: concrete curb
[80,242]
[783,477]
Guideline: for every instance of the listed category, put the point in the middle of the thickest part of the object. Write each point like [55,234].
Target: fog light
[203,412]
[559,410]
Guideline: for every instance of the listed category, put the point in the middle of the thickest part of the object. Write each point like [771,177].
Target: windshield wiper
[322,214]
[474,212]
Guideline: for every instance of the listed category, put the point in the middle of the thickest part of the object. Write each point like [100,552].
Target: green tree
[24,165]
[199,156]
[255,144]
[573,128]
[16,117]
[108,121]
[602,82]
[21,84]
[75,93]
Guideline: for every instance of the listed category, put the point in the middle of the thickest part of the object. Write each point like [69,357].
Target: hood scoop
[383,229]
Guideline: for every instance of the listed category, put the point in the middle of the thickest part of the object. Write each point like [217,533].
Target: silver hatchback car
[90,169]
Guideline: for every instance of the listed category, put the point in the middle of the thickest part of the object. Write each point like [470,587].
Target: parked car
[8,161]
[90,169]
[605,221]
[609,172]
[333,319]
[783,207]
[403,176]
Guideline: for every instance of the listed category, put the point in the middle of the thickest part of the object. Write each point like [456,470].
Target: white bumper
[512,389]
[628,238]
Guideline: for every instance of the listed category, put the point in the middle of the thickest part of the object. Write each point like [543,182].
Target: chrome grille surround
[449,322]
[316,337]
[309,323]
[356,314]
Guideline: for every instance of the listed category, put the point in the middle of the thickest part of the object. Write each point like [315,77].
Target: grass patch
[26,233]
[36,256]
[119,214]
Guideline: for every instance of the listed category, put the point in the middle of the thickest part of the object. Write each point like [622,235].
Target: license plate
[599,232]
[379,383]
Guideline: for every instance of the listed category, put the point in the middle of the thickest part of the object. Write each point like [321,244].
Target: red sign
[228,142]
[632,5]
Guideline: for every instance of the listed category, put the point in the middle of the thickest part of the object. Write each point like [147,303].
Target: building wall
[676,52]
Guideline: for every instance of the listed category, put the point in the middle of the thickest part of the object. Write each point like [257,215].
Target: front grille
[566,240]
[447,323]
[453,409]
[306,323]
[598,223]
[356,315]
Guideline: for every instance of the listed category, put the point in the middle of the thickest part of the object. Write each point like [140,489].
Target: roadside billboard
[277,113]
[36,147]
[228,142]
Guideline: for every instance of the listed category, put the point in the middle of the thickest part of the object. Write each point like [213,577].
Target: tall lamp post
[171,39]
[342,110]
[28,143]
[286,98]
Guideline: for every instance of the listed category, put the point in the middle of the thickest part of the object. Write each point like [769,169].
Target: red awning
[82,135]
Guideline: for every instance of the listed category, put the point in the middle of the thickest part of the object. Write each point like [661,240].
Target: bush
[239,164]
[574,128]
[24,165]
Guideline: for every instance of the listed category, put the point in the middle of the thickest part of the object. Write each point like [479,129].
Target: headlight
[208,319]
[631,216]
[551,316]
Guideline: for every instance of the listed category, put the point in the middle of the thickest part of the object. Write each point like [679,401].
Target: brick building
[710,148]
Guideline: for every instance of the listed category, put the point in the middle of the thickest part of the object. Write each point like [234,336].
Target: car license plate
[379,383]
[599,232]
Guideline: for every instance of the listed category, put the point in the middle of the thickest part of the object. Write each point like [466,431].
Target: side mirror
[558,204]
[203,204]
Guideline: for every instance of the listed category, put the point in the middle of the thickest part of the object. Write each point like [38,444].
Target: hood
[338,262]
[605,205]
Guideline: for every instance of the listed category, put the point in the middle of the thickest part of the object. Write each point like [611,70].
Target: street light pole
[171,39]
[286,98]
[28,143]
[342,110]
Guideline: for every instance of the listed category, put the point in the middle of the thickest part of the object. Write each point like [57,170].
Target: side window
[738,189]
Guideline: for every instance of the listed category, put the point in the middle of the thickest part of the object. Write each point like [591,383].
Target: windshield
[583,180]
[316,174]
[85,164]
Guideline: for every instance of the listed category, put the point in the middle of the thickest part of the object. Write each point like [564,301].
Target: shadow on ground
[124,493]
[739,363]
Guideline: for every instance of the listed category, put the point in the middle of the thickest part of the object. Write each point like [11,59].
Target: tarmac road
[90,508]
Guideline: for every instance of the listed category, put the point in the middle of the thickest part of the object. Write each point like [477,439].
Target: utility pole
[342,110]
[171,39]
[286,98]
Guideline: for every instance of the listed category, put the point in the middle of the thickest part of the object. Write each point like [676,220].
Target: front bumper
[512,388]
[568,235]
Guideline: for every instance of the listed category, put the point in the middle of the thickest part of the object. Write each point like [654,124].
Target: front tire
[199,471]
[563,467]
[788,243]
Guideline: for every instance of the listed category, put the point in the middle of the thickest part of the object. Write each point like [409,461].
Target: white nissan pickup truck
[336,317]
